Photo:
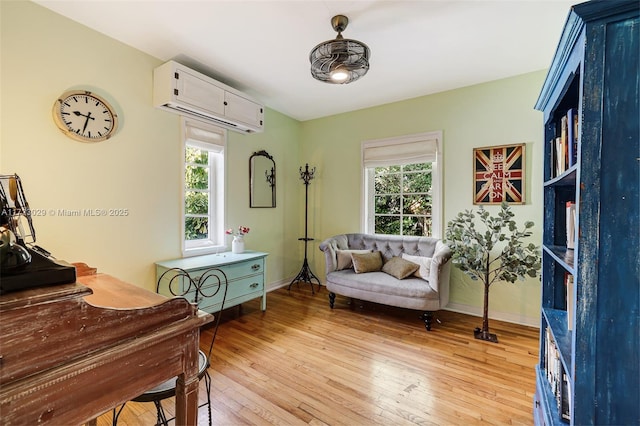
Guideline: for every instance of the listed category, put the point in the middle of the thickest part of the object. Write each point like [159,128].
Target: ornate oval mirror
[262,180]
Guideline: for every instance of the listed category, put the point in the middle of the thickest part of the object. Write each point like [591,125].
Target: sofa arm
[441,256]
[329,247]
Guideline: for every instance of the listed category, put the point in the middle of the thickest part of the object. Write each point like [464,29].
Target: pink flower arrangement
[242,230]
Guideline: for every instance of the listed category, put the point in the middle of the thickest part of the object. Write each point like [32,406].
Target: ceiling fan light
[339,61]
[339,75]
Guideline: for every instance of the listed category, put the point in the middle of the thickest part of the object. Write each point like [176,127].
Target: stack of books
[556,376]
[564,148]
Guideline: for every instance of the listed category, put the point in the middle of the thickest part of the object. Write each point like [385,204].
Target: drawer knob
[254,285]
[255,267]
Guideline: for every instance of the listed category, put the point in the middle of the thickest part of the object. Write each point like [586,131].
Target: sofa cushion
[344,258]
[424,269]
[366,262]
[400,268]
[383,284]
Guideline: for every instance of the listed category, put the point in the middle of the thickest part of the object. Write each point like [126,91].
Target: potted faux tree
[497,253]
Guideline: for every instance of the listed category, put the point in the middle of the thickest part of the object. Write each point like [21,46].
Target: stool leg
[116,414]
[207,383]
[162,419]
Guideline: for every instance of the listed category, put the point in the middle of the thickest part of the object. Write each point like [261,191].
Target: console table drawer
[238,292]
[236,270]
[245,286]
[245,274]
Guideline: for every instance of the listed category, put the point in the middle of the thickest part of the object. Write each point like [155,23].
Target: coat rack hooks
[305,274]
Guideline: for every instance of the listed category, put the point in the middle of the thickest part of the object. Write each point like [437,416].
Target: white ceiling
[262,47]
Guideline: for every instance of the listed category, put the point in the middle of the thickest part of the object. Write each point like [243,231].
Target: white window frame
[213,139]
[396,151]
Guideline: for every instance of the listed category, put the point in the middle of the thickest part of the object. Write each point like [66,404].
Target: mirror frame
[270,177]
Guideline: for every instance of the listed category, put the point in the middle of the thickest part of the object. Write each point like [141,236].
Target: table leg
[187,402]
[187,385]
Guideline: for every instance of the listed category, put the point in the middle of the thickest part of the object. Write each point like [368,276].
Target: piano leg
[187,384]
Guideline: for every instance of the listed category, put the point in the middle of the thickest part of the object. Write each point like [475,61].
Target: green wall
[139,169]
[495,113]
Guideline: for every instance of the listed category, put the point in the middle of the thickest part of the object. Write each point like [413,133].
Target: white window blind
[204,136]
[400,151]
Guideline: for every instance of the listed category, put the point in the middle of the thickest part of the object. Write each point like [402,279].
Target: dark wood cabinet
[589,369]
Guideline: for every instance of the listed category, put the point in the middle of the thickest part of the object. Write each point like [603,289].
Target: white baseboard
[276,285]
[500,316]
[285,283]
[454,307]
[279,284]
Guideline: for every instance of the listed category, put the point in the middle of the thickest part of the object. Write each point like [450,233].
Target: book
[564,138]
[552,364]
[553,172]
[572,137]
[568,281]
[565,413]
[560,168]
[571,224]
[548,348]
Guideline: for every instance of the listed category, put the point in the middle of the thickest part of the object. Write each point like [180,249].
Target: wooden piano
[71,352]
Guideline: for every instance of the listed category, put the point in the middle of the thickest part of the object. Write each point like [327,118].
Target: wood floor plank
[302,363]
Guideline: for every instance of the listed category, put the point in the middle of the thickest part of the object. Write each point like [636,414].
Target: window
[402,185]
[203,207]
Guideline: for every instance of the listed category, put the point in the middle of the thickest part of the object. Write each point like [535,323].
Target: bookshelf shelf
[556,319]
[568,178]
[589,354]
[562,256]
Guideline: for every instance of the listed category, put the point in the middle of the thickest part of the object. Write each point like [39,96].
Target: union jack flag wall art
[498,174]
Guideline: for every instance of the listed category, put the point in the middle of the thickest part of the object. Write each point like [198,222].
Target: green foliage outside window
[402,200]
[196,194]
[196,228]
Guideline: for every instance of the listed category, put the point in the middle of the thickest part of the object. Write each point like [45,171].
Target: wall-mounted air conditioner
[184,91]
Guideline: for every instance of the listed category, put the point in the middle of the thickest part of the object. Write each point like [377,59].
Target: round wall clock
[85,116]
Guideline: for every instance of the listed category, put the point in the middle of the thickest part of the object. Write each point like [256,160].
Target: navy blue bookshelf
[596,73]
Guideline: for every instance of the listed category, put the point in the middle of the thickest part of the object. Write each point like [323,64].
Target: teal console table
[245,272]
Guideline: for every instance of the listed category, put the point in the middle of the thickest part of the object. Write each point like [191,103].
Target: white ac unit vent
[184,91]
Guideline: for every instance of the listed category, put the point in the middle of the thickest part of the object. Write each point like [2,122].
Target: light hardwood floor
[303,363]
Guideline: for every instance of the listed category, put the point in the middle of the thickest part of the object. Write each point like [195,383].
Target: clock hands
[78,113]
[88,116]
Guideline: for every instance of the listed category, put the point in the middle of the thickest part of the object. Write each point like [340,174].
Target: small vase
[237,245]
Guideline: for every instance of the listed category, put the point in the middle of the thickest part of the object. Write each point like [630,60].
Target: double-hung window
[203,207]
[402,185]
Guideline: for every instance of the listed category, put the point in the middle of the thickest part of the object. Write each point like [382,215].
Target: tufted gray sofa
[412,293]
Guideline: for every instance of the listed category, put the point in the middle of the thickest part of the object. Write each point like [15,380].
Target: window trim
[437,173]
[190,130]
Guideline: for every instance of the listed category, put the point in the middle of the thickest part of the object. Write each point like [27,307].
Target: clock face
[84,116]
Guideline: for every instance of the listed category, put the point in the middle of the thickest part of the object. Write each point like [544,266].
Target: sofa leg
[332,299]
[427,317]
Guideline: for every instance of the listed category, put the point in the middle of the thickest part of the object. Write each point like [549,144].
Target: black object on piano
[41,271]
[23,265]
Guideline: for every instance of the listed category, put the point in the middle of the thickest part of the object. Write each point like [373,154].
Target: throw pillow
[425,265]
[344,258]
[400,268]
[366,262]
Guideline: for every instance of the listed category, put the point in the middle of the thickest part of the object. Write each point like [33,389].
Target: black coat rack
[305,274]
